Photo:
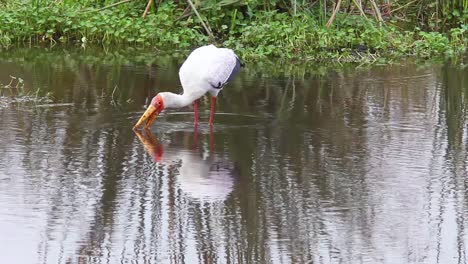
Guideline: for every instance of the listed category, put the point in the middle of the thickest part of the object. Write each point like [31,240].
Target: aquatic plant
[15,92]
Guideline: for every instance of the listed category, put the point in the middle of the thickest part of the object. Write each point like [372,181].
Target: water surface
[304,164]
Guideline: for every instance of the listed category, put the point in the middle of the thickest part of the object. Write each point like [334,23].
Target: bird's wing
[209,65]
[221,67]
[208,69]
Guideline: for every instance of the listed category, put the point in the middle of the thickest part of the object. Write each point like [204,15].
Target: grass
[253,34]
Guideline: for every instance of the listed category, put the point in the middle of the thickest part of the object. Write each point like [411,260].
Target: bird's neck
[172,100]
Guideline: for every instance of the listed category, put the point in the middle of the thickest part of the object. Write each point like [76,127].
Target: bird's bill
[149,116]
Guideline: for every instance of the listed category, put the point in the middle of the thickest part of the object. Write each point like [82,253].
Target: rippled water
[304,165]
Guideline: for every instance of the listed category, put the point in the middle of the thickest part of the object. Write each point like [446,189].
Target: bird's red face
[151,112]
[157,102]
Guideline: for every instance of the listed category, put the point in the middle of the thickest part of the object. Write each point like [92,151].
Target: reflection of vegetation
[452,137]
[117,77]
[455,102]
[69,74]
[310,168]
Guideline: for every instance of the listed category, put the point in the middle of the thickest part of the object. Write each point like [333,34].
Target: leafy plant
[255,29]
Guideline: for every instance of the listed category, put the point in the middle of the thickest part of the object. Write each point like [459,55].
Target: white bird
[206,69]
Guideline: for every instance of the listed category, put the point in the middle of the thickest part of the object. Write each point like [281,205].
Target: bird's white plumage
[207,69]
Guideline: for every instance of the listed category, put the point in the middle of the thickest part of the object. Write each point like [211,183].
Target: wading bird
[206,69]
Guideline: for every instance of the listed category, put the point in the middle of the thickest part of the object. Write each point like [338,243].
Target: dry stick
[360,8]
[208,30]
[112,5]
[325,8]
[148,6]
[188,13]
[377,11]
[403,6]
[337,8]
[387,5]
[113,91]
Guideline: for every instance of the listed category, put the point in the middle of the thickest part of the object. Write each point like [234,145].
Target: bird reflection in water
[207,179]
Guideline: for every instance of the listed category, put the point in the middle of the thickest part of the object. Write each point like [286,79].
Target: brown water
[304,165]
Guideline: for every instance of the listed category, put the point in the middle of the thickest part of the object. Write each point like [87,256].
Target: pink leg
[195,110]
[213,104]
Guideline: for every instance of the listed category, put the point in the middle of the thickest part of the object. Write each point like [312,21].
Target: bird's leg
[195,110]
[213,104]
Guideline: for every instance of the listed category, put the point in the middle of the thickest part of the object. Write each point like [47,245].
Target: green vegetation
[318,30]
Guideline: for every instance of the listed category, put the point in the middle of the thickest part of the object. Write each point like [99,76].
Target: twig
[403,6]
[188,13]
[337,8]
[208,30]
[112,97]
[325,8]
[360,8]
[11,81]
[148,6]
[109,6]
[377,11]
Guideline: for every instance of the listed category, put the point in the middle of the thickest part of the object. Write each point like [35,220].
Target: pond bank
[267,34]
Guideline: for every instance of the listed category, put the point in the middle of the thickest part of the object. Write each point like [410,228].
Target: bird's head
[153,110]
[158,102]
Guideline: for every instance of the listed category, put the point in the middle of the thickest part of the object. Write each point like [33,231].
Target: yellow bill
[149,116]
